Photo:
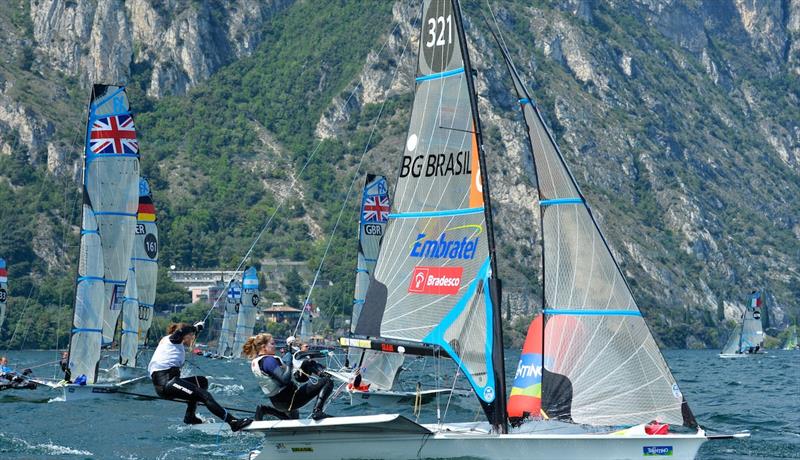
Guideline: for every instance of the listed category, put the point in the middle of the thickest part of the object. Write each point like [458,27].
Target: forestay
[601,363]
[145,258]
[112,184]
[247,310]
[378,369]
[233,301]
[431,282]
[3,291]
[110,170]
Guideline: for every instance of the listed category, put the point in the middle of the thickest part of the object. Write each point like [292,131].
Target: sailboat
[379,371]
[145,259]
[110,179]
[436,291]
[791,341]
[3,291]
[230,315]
[246,320]
[748,336]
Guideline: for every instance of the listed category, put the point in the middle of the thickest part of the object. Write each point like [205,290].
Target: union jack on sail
[114,134]
[375,209]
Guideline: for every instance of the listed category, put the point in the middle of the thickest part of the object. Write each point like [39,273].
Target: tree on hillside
[295,288]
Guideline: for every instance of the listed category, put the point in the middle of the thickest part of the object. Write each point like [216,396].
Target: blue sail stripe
[90,278]
[436,76]
[525,100]
[95,156]
[146,305]
[86,329]
[357,301]
[447,212]
[558,201]
[120,282]
[114,213]
[140,259]
[125,331]
[362,270]
[89,232]
[550,311]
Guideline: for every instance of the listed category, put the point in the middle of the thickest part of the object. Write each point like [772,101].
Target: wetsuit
[165,371]
[275,379]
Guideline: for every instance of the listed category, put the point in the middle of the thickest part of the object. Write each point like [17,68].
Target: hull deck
[393,436]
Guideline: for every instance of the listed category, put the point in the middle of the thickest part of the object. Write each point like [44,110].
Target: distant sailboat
[110,176]
[748,336]
[378,371]
[3,291]
[230,316]
[791,341]
[246,320]
[145,258]
[436,291]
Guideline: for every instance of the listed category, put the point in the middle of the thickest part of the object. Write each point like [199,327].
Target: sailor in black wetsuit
[165,370]
[275,378]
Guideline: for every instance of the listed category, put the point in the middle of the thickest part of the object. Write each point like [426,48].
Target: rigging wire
[356,176]
[282,201]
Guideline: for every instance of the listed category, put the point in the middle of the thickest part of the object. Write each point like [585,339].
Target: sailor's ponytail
[251,346]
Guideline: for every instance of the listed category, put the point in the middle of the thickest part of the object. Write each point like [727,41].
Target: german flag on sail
[3,271]
[147,211]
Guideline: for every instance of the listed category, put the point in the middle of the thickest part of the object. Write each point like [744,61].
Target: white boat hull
[395,437]
[72,392]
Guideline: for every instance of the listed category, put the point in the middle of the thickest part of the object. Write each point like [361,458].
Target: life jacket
[166,356]
[359,387]
[268,384]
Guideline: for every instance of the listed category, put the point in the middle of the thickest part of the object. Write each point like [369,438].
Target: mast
[495,285]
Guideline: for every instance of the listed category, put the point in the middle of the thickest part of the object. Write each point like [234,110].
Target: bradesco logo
[657,451]
[435,280]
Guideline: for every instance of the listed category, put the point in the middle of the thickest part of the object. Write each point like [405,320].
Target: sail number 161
[436,32]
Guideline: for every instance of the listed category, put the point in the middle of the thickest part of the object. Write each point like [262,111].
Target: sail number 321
[436,31]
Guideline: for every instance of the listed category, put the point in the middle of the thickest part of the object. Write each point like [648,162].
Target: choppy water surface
[760,394]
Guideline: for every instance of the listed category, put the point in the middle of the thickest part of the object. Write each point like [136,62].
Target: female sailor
[165,370]
[275,378]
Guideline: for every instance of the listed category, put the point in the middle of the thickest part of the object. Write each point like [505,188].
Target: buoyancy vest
[268,384]
[166,356]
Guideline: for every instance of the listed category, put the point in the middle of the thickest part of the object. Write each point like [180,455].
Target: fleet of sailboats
[436,291]
[591,379]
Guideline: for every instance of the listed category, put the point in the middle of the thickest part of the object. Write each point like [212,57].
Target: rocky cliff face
[641,96]
[171,46]
[679,120]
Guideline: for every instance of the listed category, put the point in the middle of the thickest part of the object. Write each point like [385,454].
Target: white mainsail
[113,187]
[145,258]
[129,335]
[247,310]
[3,291]
[230,316]
[110,172]
[376,368]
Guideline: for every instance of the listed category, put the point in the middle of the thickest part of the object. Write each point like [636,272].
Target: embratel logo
[435,280]
[443,248]
[657,451]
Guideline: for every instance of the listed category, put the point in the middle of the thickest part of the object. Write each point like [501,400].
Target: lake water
[759,394]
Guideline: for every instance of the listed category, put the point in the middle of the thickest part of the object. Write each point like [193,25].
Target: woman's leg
[190,390]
